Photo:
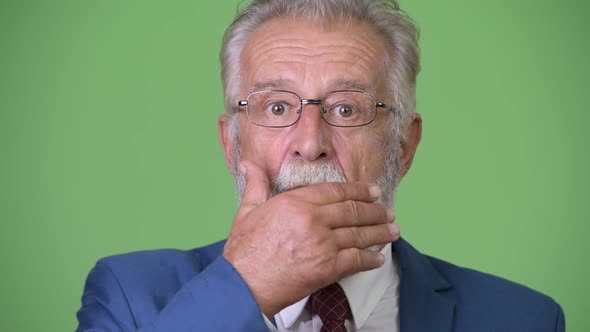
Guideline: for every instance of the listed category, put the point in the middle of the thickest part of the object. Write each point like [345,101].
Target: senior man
[320,126]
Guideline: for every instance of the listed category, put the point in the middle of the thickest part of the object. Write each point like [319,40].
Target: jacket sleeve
[217,299]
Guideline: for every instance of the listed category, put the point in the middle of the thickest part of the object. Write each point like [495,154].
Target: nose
[312,136]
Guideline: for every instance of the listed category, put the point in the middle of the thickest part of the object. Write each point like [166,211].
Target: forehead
[297,54]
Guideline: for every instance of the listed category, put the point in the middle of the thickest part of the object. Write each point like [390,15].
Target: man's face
[310,60]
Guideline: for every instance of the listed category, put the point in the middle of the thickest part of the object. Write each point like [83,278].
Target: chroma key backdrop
[108,143]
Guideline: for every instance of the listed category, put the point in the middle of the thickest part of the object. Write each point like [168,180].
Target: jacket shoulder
[488,297]
[168,290]
[160,262]
[154,276]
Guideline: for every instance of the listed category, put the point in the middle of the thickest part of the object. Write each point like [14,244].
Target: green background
[109,143]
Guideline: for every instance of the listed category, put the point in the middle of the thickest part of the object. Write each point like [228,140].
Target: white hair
[385,16]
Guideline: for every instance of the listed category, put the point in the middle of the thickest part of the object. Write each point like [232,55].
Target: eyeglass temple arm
[384,105]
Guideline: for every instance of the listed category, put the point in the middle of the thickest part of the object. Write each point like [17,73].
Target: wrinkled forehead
[285,53]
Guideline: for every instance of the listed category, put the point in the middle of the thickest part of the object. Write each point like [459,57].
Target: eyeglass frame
[378,104]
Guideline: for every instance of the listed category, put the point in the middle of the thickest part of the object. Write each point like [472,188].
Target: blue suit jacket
[198,290]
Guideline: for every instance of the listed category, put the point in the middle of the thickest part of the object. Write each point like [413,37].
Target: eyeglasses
[341,108]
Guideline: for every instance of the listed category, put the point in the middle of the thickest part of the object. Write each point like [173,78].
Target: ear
[226,140]
[410,143]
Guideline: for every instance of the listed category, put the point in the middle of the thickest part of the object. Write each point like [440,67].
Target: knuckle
[353,209]
[358,237]
[325,269]
[306,219]
[358,259]
[304,225]
[351,263]
[336,190]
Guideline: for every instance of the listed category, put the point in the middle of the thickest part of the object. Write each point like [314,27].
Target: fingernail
[242,169]
[374,191]
[394,229]
[390,215]
[381,259]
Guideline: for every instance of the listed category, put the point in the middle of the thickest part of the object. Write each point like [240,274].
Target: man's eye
[278,109]
[278,106]
[344,111]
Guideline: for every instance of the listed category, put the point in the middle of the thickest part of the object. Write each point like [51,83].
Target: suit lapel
[425,304]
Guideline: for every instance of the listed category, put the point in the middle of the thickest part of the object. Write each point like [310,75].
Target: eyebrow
[270,85]
[354,85]
[340,84]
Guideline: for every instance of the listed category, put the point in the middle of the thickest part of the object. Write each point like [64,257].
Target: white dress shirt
[373,297]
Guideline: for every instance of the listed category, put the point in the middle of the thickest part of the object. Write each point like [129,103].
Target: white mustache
[296,173]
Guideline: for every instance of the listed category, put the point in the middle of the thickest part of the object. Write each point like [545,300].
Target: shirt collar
[363,291]
[290,314]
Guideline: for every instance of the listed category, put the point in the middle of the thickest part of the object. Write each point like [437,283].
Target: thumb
[257,186]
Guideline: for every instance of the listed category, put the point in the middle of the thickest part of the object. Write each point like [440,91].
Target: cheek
[265,148]
[360,155]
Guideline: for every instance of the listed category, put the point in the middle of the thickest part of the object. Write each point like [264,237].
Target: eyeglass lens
[275,108]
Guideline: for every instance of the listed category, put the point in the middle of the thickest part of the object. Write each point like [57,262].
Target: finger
[333,192]
[257,188]
[353,260]
[366,236]
[355,213]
